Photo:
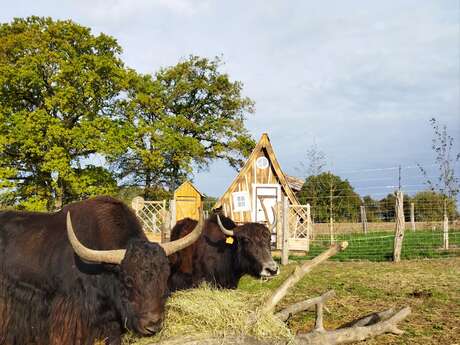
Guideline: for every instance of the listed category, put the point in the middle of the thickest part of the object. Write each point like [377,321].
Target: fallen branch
[370,319]
[298,307]
[355,333]
[298,274]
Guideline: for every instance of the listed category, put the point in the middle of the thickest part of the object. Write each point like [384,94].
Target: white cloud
[361,77]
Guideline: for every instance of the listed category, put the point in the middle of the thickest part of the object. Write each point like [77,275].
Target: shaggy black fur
[215,261]
[49,296]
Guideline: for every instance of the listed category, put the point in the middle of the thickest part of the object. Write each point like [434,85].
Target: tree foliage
[328,196]
[59,86]
[387,207]
[429,206]
[67,100]
[181,119]
[373,209]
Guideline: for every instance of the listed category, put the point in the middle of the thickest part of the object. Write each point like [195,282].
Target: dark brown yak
[222,254]
[55,290]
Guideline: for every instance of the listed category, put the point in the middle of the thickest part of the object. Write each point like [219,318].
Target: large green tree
[180,119]
[430,206]
[373,209]
[387,206]
[60,86]
[330,196]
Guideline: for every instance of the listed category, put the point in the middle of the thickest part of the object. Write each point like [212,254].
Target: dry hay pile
[215,312]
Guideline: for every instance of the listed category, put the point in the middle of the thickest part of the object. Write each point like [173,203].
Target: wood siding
[188,201]
[244,182]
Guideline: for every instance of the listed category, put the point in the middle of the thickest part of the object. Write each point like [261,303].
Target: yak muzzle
[150,323]
[270,269]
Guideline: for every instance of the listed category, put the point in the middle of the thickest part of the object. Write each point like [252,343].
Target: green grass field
[378,246]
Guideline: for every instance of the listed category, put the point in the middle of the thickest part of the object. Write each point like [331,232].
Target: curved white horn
[222,228]
[181,243]
[107,256]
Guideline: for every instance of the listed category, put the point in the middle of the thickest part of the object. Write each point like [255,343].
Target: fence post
[364,219]
[445,237]
[331,229]
[166,227]
[172,211]
[399,231]
[279,225]
[309,227]
[412,216]
[285,246]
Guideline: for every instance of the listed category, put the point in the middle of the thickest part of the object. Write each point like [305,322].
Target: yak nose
[270,269]
[151,323]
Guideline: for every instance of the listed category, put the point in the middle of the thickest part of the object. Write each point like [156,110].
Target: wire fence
[378,246]
[366,217]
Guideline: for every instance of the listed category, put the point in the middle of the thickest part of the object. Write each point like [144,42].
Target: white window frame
[254,195]
[247,204]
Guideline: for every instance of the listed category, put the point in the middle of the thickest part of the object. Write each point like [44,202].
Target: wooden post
[172,211]
[445,238]
[166,227]
[412,216]
[285,247]
[364,219]
[331,229]
[309,227]
[399,231]
[331,220]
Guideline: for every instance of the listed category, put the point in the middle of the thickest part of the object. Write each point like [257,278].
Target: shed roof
[295,183]
[188,183]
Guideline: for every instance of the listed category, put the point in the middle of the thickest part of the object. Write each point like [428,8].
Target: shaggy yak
[223,253]
[55,290]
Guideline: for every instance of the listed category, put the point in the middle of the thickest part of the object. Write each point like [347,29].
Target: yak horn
[107,256]
[181,243]
[222,228]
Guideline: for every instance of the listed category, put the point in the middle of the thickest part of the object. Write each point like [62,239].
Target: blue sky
[361,79]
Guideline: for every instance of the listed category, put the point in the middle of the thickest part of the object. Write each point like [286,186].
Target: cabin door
[269,194]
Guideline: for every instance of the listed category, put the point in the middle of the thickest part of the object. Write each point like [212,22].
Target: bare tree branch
[298,307]
[298,274]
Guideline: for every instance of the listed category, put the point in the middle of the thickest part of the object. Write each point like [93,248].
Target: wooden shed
[188,200]
[261,178]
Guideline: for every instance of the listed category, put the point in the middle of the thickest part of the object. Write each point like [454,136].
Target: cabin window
[262,163]
[240,201]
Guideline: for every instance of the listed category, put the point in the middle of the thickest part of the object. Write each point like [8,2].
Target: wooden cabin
[260,179]
[188,200]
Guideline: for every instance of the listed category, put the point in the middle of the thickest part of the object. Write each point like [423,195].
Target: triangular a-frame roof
[191,185]
[264,143]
